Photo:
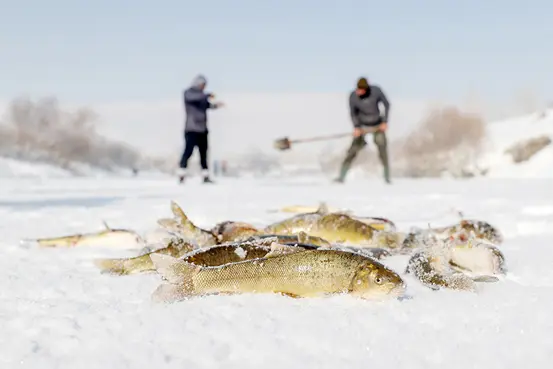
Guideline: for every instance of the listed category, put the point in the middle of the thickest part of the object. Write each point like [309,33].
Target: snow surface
[505,133]
[58,311]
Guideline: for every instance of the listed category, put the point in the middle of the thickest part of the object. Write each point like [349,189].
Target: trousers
[193,140]
[358,143]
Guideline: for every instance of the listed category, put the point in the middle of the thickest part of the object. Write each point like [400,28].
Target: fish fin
[323,208]
[303,237]
[183,221]
[174,270]
[289,294]
[106,226]
[377,226]
[486,279]
[278,249]
[170,293]
[178,212]
[111,266]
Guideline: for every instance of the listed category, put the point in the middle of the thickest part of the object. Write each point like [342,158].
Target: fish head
[373,280]
[483,230]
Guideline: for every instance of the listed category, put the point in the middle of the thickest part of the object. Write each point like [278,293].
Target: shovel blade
[282,144]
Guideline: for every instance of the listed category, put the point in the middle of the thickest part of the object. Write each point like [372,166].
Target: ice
[58,311]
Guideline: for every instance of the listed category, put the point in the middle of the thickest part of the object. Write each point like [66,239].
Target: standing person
[196,104]
[365,113]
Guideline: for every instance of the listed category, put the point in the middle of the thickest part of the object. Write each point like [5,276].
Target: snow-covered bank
[502,135]
[57,311]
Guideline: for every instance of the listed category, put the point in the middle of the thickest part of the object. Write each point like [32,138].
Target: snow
[505,133]
[17,168]
[58,311]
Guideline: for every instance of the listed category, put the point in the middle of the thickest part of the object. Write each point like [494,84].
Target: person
[365,114]
[196,104]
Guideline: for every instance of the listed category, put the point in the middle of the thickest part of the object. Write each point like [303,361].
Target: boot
[205,174]
[387,175]
[181,172]
[343,171]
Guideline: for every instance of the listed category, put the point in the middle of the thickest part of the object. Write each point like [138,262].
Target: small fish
[183,227]
[378,223]
[434,272]
[109,237]
[205,256]
[143,263]
[308,273]
[474,228]
[232,253]
[336,228]
[457,264]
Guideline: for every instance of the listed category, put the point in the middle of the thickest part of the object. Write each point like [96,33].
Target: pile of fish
[310,254]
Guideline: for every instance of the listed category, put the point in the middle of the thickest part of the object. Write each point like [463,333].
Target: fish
[183,227]
[457,263]
[379,223]
[482,230]
[142,264]
[205,256]
[310,273]
[336,228]
[235,252]
[474,228]
[434,272]
[108,237]
[233,231]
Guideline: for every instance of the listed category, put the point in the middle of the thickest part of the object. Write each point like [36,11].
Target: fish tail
[178,273]
[112,266]
[170,293]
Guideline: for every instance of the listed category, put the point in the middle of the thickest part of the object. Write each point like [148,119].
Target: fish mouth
[398,291]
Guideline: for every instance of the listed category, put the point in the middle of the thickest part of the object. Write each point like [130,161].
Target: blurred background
[99,91]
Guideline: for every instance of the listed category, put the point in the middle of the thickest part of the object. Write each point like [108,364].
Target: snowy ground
[58,311]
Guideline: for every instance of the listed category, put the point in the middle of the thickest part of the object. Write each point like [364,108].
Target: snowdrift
[532,133]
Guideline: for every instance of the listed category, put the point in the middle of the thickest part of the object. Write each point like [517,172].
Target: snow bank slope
[504,134]
[10,168]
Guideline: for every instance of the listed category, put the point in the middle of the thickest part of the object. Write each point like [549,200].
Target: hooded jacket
[196,105]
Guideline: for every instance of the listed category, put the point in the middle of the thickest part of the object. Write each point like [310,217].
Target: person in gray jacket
[196,104]
[365,113]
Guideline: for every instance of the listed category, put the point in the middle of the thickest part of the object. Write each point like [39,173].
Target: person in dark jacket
[196,104]
[365,113]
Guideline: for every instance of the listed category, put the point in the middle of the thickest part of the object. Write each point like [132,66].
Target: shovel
[286,144]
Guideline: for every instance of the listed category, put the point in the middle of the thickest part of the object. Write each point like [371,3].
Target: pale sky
[143,52]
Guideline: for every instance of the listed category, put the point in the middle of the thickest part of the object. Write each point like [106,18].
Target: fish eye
[378,280]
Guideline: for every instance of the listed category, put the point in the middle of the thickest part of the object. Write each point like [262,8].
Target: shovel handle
[330,137]
[321,138]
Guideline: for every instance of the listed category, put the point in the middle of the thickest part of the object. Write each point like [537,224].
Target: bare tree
[42,131]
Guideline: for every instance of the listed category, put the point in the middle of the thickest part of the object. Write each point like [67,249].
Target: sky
[147,52]
[126,50]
